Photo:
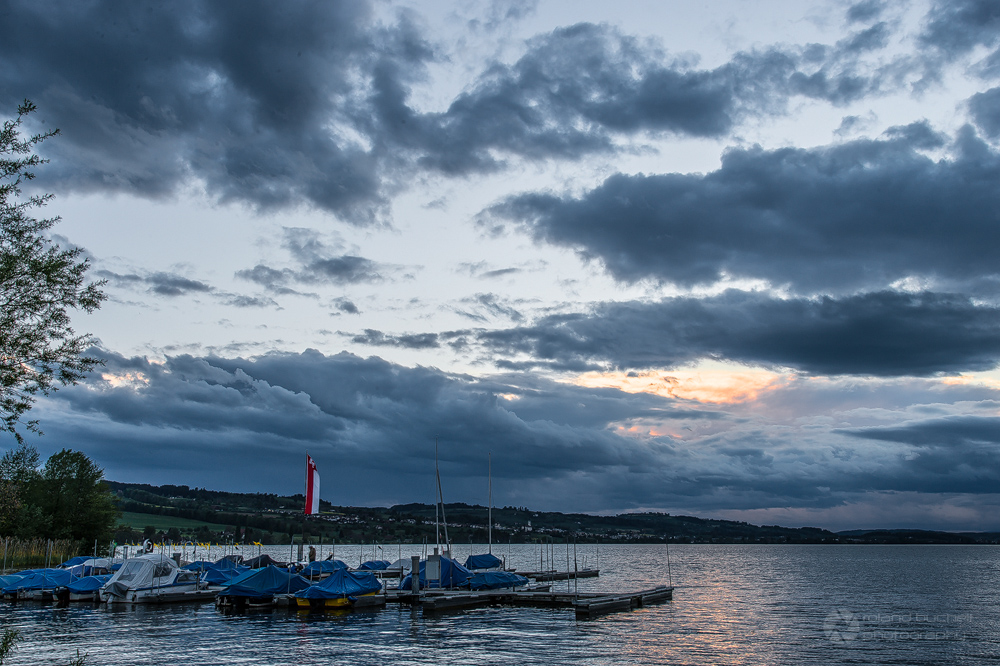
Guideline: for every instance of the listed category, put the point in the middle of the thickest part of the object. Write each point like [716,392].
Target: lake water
[733,604]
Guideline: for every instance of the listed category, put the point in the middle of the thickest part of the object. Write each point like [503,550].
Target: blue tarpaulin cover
[375,565]
[262,561]
[73,561]
[50,579]
[494,580]
[219,576]
[88,583]
[6,581]
[484,561]
[199,565]
[264,582]
[322,567]
[340,584]
[453,574]
[226,564]
[217,573]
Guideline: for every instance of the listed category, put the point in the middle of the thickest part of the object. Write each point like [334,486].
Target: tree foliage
[66,499]
[40,283]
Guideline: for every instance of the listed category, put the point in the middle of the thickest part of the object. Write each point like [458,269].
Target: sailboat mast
[489,530]
[437,503]
[444,518]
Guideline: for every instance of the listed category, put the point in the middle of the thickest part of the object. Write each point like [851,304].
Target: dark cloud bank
[834,219]
[876,334]
[276,105]
[372,425]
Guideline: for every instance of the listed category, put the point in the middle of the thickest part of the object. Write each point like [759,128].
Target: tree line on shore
[65,498]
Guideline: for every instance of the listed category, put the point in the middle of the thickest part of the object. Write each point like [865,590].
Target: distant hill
[197,513]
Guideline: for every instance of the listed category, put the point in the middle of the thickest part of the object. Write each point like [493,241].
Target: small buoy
[147,546]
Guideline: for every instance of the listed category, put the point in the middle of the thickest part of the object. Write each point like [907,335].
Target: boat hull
[170,595]
[341,603]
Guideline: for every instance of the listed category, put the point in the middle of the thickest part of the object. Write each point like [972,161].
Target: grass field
[138,521]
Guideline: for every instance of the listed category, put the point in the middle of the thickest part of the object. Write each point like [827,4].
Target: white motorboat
[154,579]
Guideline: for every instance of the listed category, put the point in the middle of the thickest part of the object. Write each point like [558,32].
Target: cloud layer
[860,215]
[806,328]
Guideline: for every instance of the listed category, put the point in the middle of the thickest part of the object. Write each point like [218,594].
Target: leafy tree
[18,471]
[39,284]
[72,494]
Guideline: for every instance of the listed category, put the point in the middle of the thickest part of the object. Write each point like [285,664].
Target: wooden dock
[561,575]
[585,604]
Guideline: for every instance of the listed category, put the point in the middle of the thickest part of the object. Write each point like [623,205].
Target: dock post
[415,574]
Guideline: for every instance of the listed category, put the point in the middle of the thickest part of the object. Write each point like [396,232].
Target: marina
[732,604]
[328,584]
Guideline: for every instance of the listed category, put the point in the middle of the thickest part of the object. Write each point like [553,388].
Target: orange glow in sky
[709,381]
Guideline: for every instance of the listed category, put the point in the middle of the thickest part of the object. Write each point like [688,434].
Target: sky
[728,259]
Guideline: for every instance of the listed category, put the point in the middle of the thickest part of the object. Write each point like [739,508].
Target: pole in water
[489,530]
[576,569]
[567,565]
[670,579]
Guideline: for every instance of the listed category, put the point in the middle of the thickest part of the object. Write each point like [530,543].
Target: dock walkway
[560,575]
[585,604]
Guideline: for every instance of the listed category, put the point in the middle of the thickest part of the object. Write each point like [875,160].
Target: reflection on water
[749,604]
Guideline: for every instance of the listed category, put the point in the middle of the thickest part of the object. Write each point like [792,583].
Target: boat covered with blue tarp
[263,560]
[484,561]
[263,583]
[322,568]
[86,588]
[495,580]
[217,573]
[341,588]
[375,565]
[42,580]
[453,574]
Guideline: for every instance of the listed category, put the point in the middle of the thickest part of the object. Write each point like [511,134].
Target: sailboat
[486,560]
[440,504]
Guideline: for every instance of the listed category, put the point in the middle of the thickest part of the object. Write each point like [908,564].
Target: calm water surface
[751,604]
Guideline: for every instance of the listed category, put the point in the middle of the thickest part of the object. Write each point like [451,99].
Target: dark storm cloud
[847,217]
[579,87]
[243,301]
[865,11]
[958,453]
[877,334]
[373,417]
[277,105]
[372,426]
[317,263]
[377,338]
[162,284]
[346,305]
[985,110]
[955,27]
[239,95]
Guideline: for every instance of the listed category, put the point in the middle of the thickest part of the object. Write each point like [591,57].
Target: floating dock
[585,604]
[561,575]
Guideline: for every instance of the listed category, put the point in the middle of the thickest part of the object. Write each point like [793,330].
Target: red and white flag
[312,486]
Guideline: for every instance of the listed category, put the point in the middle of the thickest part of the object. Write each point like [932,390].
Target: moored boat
[257,588]
[342,589]
[154,578]
[38,584]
